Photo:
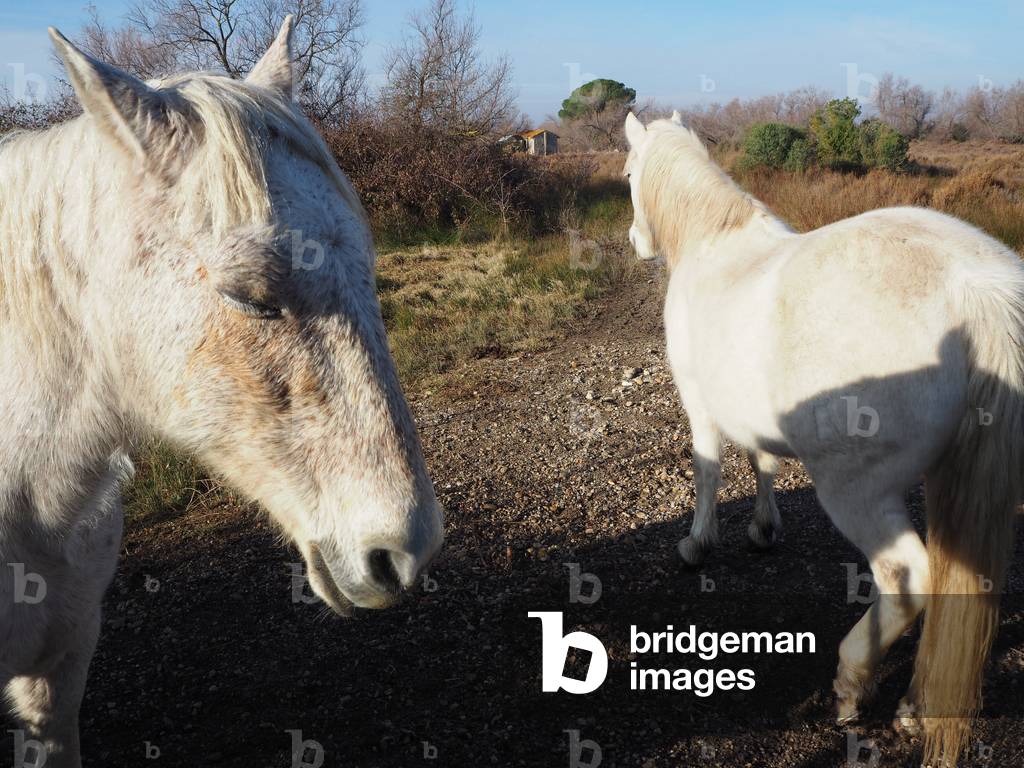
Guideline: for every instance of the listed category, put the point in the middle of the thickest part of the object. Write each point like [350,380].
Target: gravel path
[577,455]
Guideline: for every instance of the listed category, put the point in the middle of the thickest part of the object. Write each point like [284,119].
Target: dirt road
[578,455]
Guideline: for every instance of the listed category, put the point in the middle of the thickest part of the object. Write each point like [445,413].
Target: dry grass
[168,484]
[953,158]
[446,305]
[982,184]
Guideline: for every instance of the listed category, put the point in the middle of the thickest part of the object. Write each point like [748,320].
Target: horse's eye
[250,308]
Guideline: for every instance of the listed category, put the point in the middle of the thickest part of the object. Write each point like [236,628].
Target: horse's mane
[215,136]
[685,195]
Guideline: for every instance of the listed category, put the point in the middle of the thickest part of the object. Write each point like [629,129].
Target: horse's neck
[719,220]
[57,423]
[729,249]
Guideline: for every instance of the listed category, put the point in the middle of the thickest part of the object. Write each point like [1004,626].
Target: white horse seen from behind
[878,350]
[187,260]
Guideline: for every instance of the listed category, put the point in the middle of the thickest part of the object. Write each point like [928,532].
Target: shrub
[959,132]
[424,184]
[768,145]
[882,146]
[836,134]
[801,155]
[18,115]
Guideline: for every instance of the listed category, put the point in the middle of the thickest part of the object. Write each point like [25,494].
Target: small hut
[541,142]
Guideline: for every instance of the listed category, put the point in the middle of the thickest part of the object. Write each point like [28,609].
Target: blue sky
[679,53]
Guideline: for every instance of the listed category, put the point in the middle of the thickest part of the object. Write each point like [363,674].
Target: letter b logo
[302,748]
[556,647]
[22,580]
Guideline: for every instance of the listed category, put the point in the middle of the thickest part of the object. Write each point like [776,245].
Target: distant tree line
[984,112]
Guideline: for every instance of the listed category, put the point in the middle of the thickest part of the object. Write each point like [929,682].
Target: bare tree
[437,76]
[801,104]
[904,106]
[198,34]
[729,122]
[604,128]
[162,36]
[1010,119]
[328,49]
[126,47]
[980,113]
[950,117]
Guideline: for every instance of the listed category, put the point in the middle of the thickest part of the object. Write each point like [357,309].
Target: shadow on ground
[206,657]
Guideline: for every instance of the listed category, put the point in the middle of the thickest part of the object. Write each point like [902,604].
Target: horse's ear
[274,70]
[124,107]
[677,118]
[636,133]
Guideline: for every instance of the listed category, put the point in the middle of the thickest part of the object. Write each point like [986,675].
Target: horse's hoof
[850,694]
[762,537]
[847,711]
[907,720]
[692,552]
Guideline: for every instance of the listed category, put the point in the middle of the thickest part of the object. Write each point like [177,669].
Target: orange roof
[536,133]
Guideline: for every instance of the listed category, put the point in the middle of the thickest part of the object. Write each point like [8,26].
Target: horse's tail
[972,496]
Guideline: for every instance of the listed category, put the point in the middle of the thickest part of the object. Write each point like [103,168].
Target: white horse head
[679,196]
[214,270]
[639,233]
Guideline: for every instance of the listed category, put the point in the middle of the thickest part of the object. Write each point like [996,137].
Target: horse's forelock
[223,183]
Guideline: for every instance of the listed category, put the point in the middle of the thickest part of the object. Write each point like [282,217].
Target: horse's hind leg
[766,526]
[881,529]
[707,475]
[47,705]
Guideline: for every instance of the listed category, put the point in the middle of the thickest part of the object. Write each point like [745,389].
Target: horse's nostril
[383,571]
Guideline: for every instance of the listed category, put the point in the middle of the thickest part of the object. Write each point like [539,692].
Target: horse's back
[855,321]
[871,342]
